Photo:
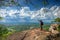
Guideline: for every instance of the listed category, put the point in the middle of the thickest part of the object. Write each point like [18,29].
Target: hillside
[34,34]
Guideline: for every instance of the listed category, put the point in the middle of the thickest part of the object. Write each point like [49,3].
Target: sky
[31,12]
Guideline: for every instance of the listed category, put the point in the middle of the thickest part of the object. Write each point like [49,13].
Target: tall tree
[45,2]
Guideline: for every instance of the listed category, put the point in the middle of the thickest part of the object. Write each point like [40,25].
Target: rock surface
[54,28]
[34,34]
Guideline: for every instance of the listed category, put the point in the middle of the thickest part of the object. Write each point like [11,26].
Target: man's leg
[41,27]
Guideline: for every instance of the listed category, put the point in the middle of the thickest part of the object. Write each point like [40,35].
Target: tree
[9,3]
[3,30]
[1,0]
[1,18]
[15,3]
[45,2]
[57,1]
[57,20]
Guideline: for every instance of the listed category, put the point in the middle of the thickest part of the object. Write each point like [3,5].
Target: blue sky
[37,4]
[31,12]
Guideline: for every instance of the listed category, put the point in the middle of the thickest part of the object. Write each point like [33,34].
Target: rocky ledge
[34,34]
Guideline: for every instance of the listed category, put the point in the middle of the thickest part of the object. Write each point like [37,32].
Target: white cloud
[2,12]
[24,12]
[53,8]
[56,11]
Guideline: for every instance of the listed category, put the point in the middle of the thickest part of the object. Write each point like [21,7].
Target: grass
[46,27]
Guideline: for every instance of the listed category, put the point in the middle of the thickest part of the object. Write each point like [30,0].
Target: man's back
[41,24]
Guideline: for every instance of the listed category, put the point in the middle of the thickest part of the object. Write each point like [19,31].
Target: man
[41,24]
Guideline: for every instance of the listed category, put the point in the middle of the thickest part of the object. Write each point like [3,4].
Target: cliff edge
[37,34]
[34,34]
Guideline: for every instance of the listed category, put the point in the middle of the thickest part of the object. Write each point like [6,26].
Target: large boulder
[54,28]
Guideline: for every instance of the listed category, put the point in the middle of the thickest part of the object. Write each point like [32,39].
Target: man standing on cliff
[41,24]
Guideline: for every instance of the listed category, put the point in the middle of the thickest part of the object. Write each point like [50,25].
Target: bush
[59,28]
[4,32]
[57,20]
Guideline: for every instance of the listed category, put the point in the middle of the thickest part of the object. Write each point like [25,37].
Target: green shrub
[57,20]
[4,32]
[59,28]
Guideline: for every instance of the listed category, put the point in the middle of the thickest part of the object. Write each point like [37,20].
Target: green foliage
[22,27]
[45,2]
[1,0]
[4,32]
[14,3]
[59,28]
[9,3]
[57,20]
[7,30]
[1,18]
[57,1]
[46,27]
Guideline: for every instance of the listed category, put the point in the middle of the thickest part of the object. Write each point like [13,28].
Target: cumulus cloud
[25,12]
[56,11]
